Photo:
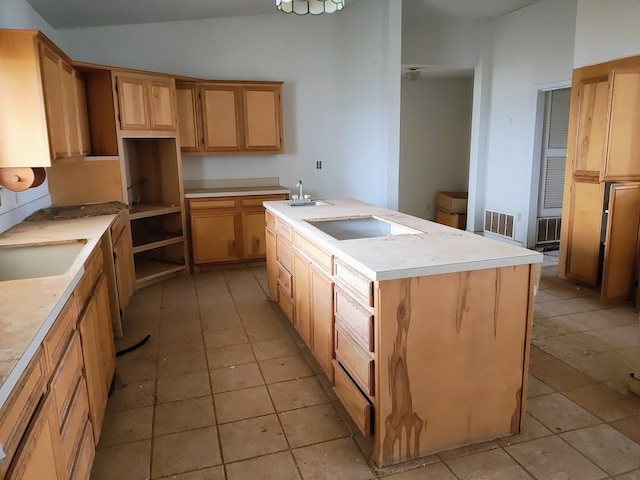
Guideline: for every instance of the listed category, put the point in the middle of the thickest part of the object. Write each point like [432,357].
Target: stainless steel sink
[360,227]
[38,260]
[307,203]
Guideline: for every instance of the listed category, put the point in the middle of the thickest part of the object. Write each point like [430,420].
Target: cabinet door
[105,332]
[262,118]
[133,103]
[585,223]
[621,242]
[71,109]
[623,142]
[221,119]
[186,99]
[161,106]
[322,319]
[213,236]
[81,114]
[591,127]
[253,234]
[51,66]
[125,272]
[272,264]
[38,454]
[302,296]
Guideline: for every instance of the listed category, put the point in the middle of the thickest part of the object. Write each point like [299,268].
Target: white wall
[15,207]
[532,48]
[435,124]
[606,30]
[334,97]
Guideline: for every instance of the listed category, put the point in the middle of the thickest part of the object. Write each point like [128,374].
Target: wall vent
[548,231]
[499,223]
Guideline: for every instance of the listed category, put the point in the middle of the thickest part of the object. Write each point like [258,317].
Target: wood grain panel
[253,234]
[221,119]
[262,123]
[161,106]
[186,101]
[272,264]
[353,400]
[591,127]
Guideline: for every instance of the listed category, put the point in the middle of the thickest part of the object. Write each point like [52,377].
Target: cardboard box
[455,220]
[452,202]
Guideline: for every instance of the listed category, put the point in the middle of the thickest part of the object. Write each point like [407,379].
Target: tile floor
[224,389]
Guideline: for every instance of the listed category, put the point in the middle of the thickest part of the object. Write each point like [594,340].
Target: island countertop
[435,249]
[29,307]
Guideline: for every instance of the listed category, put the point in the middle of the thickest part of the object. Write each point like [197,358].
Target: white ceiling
[83,13]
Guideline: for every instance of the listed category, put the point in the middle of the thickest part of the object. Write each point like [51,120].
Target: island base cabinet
[452,360]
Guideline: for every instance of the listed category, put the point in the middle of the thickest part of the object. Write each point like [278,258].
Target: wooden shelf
[148,269]
[158,244]
[142,210]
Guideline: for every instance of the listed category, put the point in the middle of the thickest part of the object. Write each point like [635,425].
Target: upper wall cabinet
[230,118]
[43,119]
[591,125]
[146,102]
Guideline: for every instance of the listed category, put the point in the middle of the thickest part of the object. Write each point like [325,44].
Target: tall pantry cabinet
[599,242]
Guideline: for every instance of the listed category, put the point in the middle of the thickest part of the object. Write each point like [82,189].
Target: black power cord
[134,347]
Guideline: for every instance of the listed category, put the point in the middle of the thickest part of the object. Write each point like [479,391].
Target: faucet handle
[299,183]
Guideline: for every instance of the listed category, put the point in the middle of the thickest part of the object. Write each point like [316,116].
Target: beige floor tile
[183,415]
[572,306]
[182,387]
[229,356]
[550,458]
[544,296]
[212,473]
[204,289]
[605,402]
[236,377]
[335,459]
[629,426]
[494,464]
[413,465]
[182,363]
[561,325]
[126,427]
[131,395]
[214,298]
[185,452]
[250,306]
[532,429]
[225,338]
[626,333]
[312,425]
[468,450]
[597,341]
[132,369]
[180,344]
[599,367]
[242,404]
[436,471]
[218,310]
[255,294]
[558,413]
[303,392]
[535,387]
[538,356]
[266,330]
[285,368]
[220,322]
[130,461]
[628,357]
[180,328]
[561,347]
[251,438]
[605,318]
[261,316]
[539,331]
[278,466]
[609,449]
[173,317]
[543,310]
[629,476]
[560,376]
[274,348]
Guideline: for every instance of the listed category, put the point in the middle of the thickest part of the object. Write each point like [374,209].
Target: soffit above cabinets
[476,8]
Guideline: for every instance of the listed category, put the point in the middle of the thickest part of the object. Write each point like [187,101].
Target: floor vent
[499,223]
[548,230]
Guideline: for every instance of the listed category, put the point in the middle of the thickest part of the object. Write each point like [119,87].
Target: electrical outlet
[318,165]
[428,207]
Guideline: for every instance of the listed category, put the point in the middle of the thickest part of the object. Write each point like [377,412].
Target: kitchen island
[423,330]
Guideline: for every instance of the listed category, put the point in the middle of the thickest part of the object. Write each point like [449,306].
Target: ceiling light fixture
[314,7]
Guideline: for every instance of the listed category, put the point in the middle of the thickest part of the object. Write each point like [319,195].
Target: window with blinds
[554,152]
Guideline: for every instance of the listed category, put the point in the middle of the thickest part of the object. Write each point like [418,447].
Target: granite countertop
[28,307]
[235,191]
[435,249]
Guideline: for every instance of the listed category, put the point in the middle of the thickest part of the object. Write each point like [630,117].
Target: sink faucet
[299,185]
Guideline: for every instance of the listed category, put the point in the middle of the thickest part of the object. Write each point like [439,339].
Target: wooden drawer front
[286,304]
[92,269]
[353,400]
[360,285]
[356,361]
[118,225]
[355,318]
[74,424]
[285,281]
[84,455]
[212,203]
[20,407]
[320,257]
[66,377]
[284,253]
[257,200]
[283,229]
[270,220]
[58,337]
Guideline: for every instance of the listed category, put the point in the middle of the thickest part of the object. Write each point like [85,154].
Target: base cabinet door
[322,319]
[213,236]
[253,234]
[123,262]
[301,292]
[272,264]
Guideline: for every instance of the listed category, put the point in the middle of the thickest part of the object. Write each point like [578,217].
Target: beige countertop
[29,307]
[235,191]
[434,249]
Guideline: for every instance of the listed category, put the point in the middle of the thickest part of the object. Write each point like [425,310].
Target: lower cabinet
[323,319]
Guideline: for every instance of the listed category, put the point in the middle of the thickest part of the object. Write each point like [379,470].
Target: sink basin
[360,227]
[38,260]
[307,203]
